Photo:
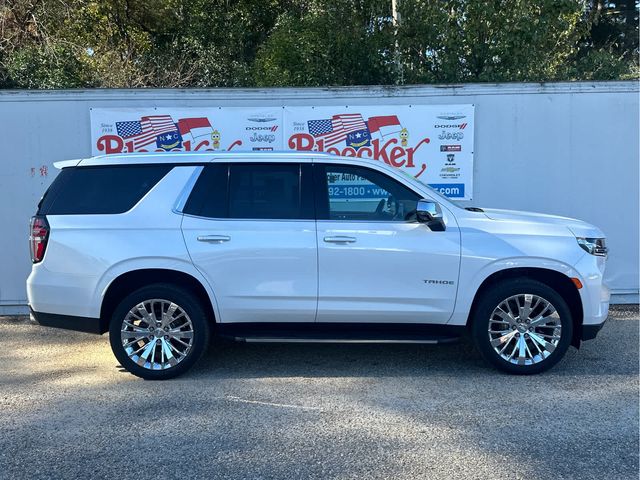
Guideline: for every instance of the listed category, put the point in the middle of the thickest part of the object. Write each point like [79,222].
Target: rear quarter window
[105,189]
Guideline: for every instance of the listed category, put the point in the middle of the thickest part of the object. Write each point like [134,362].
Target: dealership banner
[432,143]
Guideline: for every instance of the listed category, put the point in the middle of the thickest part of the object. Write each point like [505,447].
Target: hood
[577,227]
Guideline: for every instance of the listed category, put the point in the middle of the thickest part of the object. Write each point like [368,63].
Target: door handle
[214,238]
[339,239]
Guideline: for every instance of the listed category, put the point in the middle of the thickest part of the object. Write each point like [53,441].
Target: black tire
[188,302]
[490,300]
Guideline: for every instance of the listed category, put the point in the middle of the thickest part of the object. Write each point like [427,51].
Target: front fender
[470,281]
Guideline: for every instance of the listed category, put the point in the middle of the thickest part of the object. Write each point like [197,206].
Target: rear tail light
[39,228]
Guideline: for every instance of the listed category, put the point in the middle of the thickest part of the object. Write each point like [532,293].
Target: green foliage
[488,40]
[331,43]
[38,67]
[204,43]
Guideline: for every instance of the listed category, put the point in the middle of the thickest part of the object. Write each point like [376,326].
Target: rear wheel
[522,326]
[159,332]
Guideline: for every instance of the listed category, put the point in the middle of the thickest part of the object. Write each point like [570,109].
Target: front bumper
[595,295]
[69,322]
[589,332]
[594,323]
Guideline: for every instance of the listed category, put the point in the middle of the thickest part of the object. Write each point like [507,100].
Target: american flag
[145,131]
[336,129]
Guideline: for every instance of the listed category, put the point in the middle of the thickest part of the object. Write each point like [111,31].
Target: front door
[376,263]
[250,230]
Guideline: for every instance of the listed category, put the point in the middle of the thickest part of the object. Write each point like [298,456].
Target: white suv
[165,249]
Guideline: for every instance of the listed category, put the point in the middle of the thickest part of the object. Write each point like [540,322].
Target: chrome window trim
[403,222]
[218,219]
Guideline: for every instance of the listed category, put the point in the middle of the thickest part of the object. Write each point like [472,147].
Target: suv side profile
[165,250]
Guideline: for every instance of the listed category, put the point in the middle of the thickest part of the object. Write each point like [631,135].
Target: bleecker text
[389,152]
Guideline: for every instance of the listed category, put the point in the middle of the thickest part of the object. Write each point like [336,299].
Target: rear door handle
[214,238]
[339,239]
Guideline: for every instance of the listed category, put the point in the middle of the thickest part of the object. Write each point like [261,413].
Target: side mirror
[430,213]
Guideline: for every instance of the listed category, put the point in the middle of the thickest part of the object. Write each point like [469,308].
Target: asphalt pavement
[248,411]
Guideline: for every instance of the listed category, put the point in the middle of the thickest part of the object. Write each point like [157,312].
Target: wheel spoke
[515,349]
[135,352]
[511,313]
[522,357]
[167,317]
[142,359]
[168,353]
[503,339]
[180,333]
[525,310]
[506,345]
[550,347]
[535,344]
[552,337]
[180,341]
[137,334]
[544,316]
[127,323]
[510,319]
[144,314]
[153,354]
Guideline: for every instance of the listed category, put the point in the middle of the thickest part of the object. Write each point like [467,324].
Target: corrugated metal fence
[562,148]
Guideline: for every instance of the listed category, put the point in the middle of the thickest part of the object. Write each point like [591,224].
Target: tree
[610,48]
[205,43]
[488,40]
[329,43]
[32,54]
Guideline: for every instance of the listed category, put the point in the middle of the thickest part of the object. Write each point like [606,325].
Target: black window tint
[358,193]
[58,184]
[209,195]
[105,189]
[270,191]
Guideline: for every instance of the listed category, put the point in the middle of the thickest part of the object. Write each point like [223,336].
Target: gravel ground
[252,411]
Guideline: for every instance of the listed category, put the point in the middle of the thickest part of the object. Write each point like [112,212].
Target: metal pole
[395,15]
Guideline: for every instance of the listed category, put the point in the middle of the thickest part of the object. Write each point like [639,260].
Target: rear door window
[209,197]
[269,191]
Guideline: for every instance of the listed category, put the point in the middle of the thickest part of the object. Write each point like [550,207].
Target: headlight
[594,246]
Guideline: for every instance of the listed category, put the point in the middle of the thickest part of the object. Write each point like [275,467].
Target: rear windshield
[105,189]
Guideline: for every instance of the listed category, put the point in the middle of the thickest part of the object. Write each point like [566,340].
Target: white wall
[562,148]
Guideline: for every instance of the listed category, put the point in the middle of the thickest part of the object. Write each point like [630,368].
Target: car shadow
[253,360]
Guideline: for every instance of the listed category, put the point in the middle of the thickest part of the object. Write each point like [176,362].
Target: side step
[426,341]
[340,333]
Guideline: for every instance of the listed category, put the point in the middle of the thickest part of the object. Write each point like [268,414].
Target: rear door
[376,263]
[250,230]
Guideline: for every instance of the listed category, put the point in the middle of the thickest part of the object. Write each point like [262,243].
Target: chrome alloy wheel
[157,334]
[524,329]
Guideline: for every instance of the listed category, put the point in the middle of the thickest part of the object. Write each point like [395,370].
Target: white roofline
[67,163]
[190,157]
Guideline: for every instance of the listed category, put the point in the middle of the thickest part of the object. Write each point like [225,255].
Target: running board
[423,341]
[401,333]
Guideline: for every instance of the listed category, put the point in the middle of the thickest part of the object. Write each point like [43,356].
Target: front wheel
[522,326]
[159,332]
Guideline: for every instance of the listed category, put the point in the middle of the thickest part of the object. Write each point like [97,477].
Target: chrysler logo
[450,117]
